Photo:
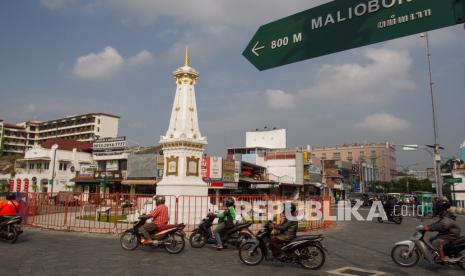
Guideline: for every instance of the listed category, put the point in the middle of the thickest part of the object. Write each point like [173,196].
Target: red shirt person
[160,218]
[9,207]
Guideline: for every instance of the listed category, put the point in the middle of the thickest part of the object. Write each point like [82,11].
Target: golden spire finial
[186,61]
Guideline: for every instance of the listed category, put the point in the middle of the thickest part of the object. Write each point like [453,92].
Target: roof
[66,144]
[6,125]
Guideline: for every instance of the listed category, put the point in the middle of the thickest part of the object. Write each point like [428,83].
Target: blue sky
[61,57]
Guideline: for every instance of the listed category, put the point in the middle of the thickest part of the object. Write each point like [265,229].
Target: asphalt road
[360,245]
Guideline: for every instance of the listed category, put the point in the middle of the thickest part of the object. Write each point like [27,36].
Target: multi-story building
[12,139]
[85,127]
[382,156]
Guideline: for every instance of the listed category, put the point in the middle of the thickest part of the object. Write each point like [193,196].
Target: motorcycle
[234,235]
[394,216]
[170,237]
[306,250]
[10,229]
[407,253]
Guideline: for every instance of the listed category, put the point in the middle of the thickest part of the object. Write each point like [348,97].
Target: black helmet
[442,205]
[159,199]
[229,202]
[10,196]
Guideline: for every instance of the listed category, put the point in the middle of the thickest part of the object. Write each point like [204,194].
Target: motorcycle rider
[390,206]
[225,219]
[160,218]
[287,231]
[9,207]
[447,228]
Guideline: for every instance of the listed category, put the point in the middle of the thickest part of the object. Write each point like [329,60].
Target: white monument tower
[183,143]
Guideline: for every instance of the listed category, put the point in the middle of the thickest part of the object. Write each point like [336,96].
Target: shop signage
[109,146]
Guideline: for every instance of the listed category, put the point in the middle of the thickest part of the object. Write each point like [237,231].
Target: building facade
[86,127]
[462,151]
[382,156]
[12,139]
[50,168]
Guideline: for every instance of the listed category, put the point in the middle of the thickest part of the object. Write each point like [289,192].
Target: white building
[85,127]
[43,166]
[271,139]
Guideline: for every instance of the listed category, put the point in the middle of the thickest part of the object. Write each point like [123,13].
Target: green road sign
[345,24]
[454,180]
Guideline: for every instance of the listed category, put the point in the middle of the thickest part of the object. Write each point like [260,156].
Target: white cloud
[386,74]
[383,122]
[208,12]
[103,65]
[141,58]
[99,66]
[278,99]
[56,4]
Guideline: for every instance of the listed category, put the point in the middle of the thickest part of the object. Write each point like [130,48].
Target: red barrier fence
[114,213]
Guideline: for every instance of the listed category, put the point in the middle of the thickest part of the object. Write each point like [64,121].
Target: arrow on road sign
[255,48]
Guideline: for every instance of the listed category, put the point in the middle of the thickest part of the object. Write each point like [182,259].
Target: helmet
[229,202]
[10,196]
[159,199]
[442,205]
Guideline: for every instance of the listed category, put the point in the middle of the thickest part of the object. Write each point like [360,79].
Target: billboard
[109,146]
[88,169]
[229,168]
[212,167]
[216,167]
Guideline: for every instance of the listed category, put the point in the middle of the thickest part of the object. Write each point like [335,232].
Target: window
[336,155]
[65,166]
[323,156]
[61,167]
[39,166]
[46,166]
[31,166]
[349,155]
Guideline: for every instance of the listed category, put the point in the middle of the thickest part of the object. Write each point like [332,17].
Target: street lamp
[437,155]
[436,161]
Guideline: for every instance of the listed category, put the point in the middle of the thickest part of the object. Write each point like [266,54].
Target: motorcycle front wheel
[197,239]
[312,257]
[250,255]
[129,241]
[380,220]
[176,243]
[401,256]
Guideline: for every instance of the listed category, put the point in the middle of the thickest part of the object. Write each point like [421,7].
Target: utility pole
[437,155]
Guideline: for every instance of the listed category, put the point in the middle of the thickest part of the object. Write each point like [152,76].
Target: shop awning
[35,159]
[139,182]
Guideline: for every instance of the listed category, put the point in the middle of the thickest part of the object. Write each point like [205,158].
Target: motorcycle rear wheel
[129,241]
[312,257]
[197,239]
[176,245]
[249,256]
[12,235]
[400,253]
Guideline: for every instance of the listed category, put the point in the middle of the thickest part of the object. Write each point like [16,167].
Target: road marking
[355,271]
[255,48]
